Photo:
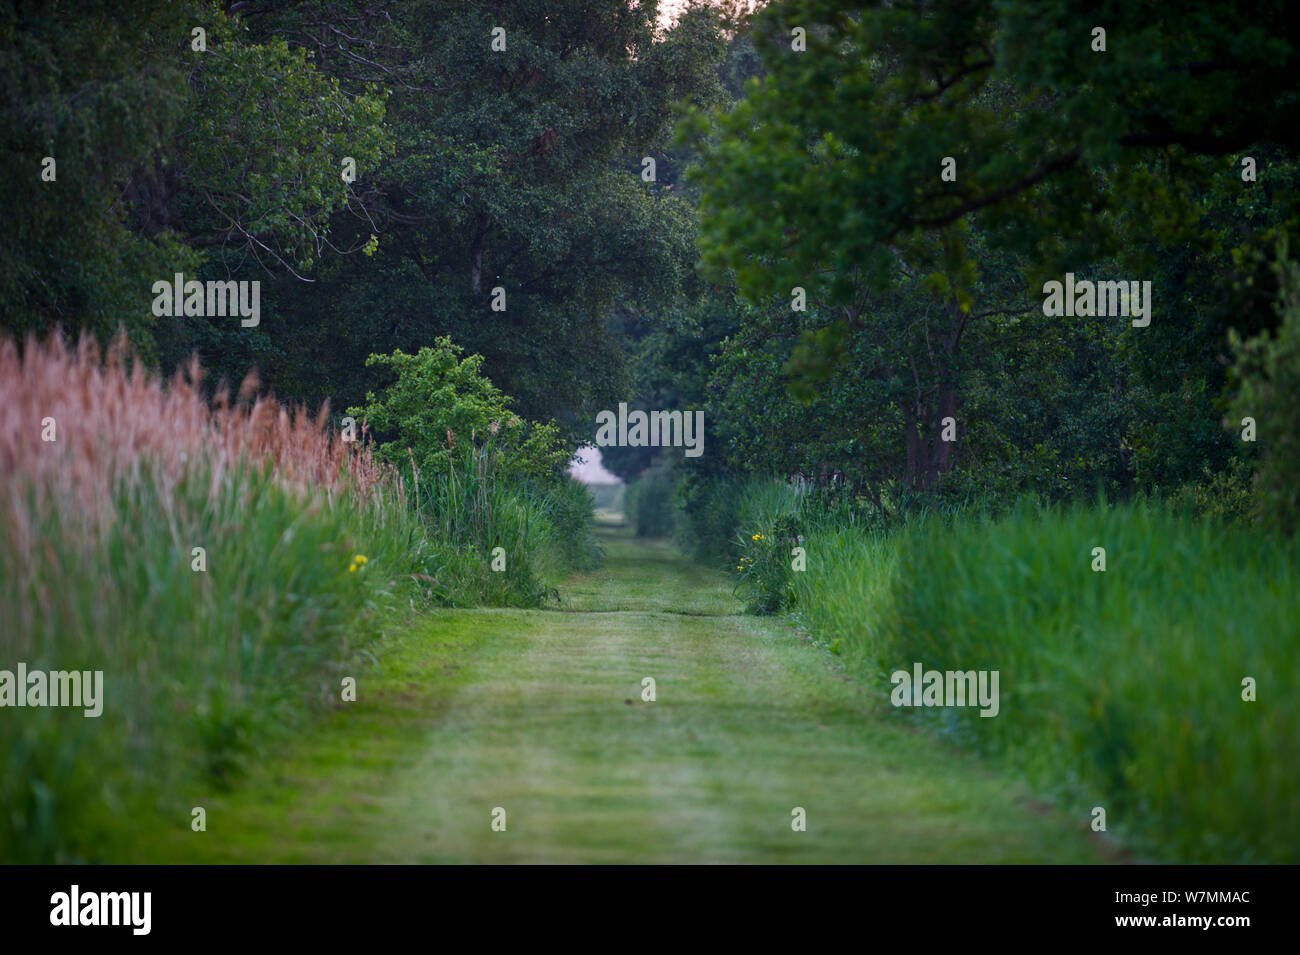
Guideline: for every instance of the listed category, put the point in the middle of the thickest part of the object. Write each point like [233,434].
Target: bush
[770,518]
[1221,496]
[440,401]
[482,478]
[708,517]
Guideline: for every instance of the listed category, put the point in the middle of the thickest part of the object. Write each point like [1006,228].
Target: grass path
[540,713]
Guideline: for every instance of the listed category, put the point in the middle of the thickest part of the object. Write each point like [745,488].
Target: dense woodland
[521,170]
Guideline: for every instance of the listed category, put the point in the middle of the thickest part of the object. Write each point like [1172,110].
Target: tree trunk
[482,226]
[941,450]
[915,449]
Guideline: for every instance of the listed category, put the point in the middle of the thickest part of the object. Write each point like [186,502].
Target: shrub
[770,518]
[1221,496]
[440,400]
[708,516]
[482,478]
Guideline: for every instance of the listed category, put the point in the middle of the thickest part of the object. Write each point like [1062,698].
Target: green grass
[1120,689]
[199,666]
[540,712]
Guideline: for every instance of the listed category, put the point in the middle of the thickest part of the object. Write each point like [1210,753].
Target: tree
[1266,379]
[168,158]
[830,176]
[512,215]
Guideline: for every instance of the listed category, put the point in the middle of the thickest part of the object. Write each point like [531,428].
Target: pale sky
[591,471]
[668,9]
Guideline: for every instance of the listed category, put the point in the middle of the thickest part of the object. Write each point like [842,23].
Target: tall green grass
[1123,688]
[843,596]
[758,525]
[543,530]
[1120,689]
[201,669]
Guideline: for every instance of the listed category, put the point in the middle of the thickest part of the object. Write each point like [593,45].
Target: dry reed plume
[114,419]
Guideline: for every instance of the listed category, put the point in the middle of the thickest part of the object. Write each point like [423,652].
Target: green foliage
[1226,496]
[499,540]
[835,153]
[69,254]
[440,401]
[765,562]
[482,478]
[843,597]
[475,169]
[773,518]
[168,160]
[263,144]
[515,169]
[708,517]
[473,512]
[922,293]
[1267,374]
[569,507]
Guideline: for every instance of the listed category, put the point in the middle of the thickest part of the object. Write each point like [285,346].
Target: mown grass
[540,712]
[1120,689]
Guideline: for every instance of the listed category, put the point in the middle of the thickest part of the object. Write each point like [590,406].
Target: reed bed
[206,654]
